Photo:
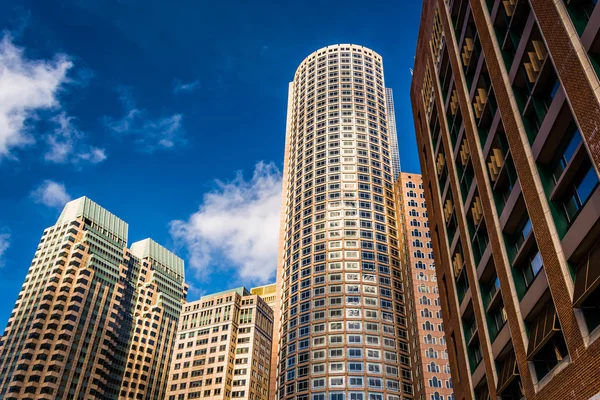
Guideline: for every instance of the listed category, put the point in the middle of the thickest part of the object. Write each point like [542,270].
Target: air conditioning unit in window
[479,103]
[464,152]
[509,7]
[457,264]
[477,210]
[467,51]
[495,164]
[441,162]
[448,210]
[454,102]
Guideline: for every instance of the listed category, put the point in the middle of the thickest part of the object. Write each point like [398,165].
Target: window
[547,347]
[434,382]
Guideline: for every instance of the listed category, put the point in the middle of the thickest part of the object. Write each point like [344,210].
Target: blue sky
[172,116]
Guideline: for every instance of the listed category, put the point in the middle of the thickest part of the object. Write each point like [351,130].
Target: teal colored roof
[148,248]
[86,208]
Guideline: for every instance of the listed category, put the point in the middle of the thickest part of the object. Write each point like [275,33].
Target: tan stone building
[94,319]
[506,106]
[431,369]
[267,292]
[342,331]
[223,348]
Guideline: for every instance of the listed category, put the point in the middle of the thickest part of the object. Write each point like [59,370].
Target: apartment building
[223,348]
[429,355]
[341,325]
[506,110]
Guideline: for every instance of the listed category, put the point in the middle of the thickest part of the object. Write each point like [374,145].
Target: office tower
[389,99]
[267,293]
[431,370]
[223,348]
[506,110]
[93,319]
[342,330]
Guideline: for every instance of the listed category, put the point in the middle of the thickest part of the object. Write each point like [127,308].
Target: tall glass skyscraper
[94,319]
[342,330]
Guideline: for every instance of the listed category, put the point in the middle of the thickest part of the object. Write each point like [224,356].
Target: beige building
[223,348]
[267,292]
[94,319]
[342,330]
[431,369]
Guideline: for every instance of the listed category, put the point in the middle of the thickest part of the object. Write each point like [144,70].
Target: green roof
[86,208]
[148,248]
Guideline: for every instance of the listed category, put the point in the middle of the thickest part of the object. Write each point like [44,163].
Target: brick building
[430,366]
[507,108]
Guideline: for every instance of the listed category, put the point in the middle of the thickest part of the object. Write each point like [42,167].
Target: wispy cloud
[194,292]
[236,227]
[185,87]
[65,144]
[27,86]
[150,134]
[4,245]
[51,194]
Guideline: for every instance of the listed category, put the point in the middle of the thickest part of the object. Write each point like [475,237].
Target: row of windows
[350,339]
[351,382]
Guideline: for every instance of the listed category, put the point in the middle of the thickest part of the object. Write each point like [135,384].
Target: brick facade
[505,102]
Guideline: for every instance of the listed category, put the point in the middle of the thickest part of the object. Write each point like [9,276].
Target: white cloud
[4,245]
[150,134]
[194,292]
[179,87]
[65,144]
[236,228]
[51,194]
[27,86]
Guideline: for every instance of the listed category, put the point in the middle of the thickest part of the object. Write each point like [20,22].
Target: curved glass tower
[342,327]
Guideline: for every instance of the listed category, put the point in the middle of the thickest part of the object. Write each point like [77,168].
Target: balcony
[547,347]
[509,380]
[586,295]
[509,18]
[534,80]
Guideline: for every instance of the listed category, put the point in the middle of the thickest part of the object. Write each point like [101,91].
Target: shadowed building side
[506,110]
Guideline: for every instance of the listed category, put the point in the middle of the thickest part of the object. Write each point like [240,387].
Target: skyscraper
[431,370]
[342,330]
[506,108]
[223,349]
[93,319]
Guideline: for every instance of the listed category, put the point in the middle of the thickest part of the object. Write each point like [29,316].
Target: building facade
[506,110]
[94,319]
[342,328]
[429,356]
[223,348]
[267,293]
[395,150]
